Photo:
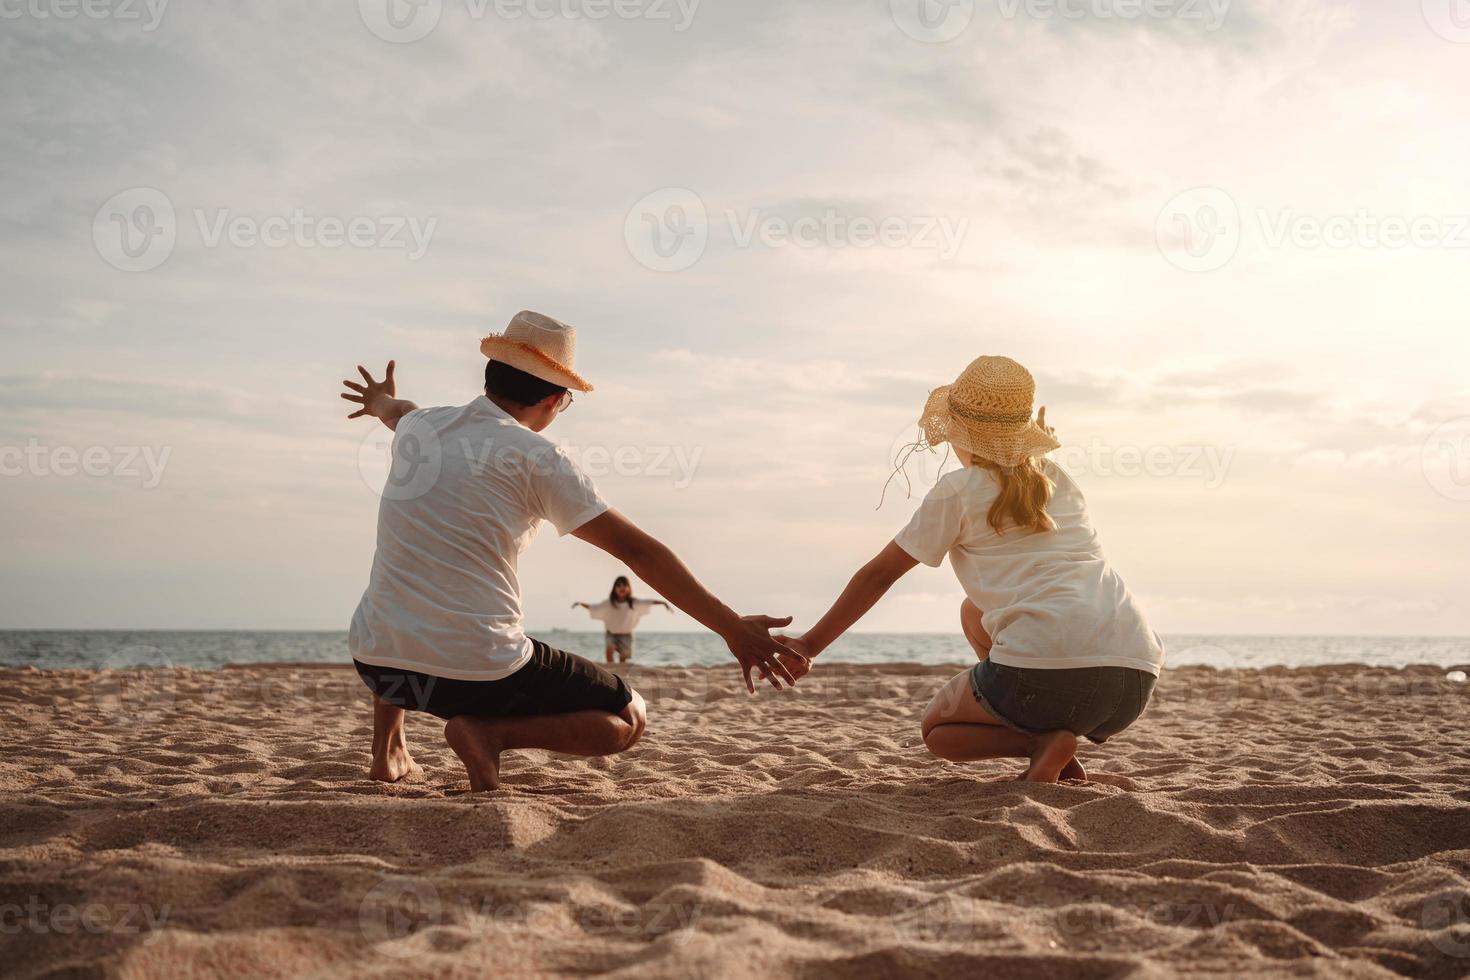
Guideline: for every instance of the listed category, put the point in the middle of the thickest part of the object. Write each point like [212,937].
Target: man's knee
[636,715]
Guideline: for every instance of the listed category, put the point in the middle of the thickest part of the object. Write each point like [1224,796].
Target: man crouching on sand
[439,627]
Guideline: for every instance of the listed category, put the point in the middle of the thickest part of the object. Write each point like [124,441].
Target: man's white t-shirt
[1049,598]
[468,490]
[621,617]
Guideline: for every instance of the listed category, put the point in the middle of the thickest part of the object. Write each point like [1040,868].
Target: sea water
[50,649]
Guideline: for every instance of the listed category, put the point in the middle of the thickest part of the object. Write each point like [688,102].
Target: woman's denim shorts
[1093,702]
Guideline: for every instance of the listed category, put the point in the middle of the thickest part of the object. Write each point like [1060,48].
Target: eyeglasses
[565,403]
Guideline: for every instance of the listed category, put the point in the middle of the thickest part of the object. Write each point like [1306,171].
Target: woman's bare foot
[477,744]
[1050,755]
[393,764]
[1071,771]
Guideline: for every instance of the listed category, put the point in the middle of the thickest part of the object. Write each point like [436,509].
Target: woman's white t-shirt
[1049,598]
[621,617]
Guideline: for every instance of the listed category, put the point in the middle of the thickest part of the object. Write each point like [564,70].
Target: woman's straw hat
[987,412]
[540,346]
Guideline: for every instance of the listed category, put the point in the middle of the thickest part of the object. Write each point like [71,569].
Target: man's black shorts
[553,682]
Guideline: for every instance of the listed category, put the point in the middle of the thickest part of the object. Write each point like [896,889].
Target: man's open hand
[756,649]
[373,396]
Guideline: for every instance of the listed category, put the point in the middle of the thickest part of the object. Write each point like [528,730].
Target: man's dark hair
[516,386]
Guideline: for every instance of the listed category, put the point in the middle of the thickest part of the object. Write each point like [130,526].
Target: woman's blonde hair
[1025,490]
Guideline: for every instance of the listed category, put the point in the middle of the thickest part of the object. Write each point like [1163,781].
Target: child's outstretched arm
[870,584]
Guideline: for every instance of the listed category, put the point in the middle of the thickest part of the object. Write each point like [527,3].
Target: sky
[1231,241]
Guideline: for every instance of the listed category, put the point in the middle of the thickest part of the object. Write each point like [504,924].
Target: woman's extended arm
[870,584]
[748,637]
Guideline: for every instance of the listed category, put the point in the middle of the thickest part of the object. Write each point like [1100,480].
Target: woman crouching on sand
[1064,650]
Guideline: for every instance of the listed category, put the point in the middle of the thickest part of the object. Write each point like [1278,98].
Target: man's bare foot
[476,743]
[1050,755]
[392,765]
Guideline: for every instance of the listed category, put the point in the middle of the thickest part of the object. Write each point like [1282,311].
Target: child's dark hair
[516,386]
[612,595]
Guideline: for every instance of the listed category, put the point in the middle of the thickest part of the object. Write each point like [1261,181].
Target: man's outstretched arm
[377,398]
[748,638]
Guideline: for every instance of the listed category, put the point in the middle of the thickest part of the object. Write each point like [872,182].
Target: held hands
[755,649]
[797,657]
[375,396]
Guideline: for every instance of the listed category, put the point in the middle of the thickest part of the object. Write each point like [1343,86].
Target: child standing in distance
[620,613]
[1065,652]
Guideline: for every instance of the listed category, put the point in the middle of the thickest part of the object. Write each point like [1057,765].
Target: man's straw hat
[540,346]
[987,412]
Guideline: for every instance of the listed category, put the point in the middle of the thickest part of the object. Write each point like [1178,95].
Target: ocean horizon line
[700,632]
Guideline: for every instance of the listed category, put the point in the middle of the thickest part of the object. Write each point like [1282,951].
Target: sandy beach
[200,823]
